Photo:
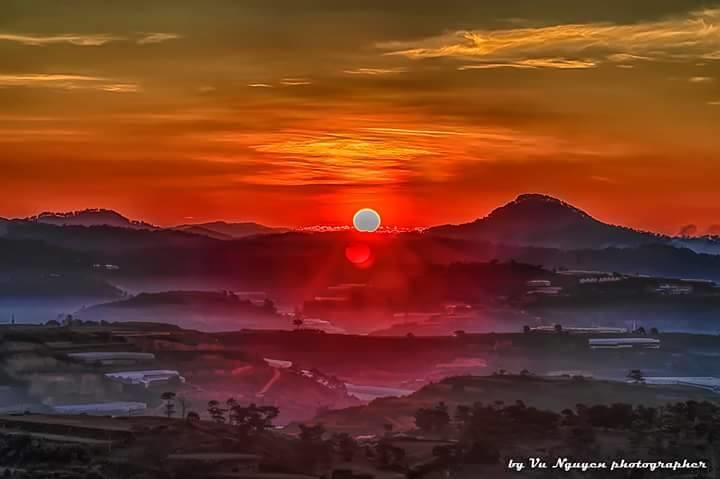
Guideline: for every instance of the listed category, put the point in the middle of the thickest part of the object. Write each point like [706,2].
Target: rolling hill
[225,230]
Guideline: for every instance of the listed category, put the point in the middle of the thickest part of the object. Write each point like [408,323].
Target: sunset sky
[298,112]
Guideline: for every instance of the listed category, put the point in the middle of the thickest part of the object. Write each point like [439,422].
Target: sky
[300,112]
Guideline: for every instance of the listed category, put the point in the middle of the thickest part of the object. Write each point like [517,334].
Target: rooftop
[86,422]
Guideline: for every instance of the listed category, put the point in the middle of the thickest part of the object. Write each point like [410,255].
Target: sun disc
[367,220]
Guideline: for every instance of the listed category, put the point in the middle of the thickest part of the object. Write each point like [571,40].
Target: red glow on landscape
[358,254]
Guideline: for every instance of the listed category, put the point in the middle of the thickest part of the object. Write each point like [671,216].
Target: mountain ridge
[534,219]
[230,230]
[89,217]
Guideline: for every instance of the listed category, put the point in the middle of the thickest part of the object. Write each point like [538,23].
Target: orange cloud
[84,40]
[694,36]
[66,82]
[375,71]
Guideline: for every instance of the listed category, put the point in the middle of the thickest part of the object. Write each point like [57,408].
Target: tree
[344,446]
[269,306]
[636,375]
[654,331]
[298,318]
[433,420]
[389,456]
[169,398]
[184,405]
[192,416]
[482,451]
[216,413]
[315,450]
[231,403]
[252,419]
[558,328]
[526,329]
[312,434]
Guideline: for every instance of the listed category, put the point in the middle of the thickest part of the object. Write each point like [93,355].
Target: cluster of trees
[249,420]
[434,420]
[483,429]
[20,451]
[318,449]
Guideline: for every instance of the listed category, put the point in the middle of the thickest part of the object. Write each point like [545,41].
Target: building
[119,408]
[89,430]
[710,383]
[108,358]
[147,378]
[547,291]
[673,289]
[580,330]
[624,343]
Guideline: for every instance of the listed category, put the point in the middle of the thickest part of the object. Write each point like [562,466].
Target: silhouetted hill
[540,220]
[89,217]
[206,310]
[45,286]
[23,255]
[100,238]
[224,230]
[201,231]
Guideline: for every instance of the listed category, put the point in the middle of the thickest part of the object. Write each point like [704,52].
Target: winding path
[269,384]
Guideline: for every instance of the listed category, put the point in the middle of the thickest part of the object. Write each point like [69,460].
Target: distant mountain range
[533,229]
[219,230]
[225,231]
[529,220]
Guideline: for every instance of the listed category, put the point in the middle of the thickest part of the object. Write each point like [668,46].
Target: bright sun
[366,220]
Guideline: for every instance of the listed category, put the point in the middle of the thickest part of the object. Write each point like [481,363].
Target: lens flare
[358,253]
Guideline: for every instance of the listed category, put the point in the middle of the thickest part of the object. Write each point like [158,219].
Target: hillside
[206,310]
[225,230]
[542,393]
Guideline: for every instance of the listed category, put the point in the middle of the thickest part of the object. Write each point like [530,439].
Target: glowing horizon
[308,113]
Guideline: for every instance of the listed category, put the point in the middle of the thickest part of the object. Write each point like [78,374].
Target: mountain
[201,231]
[541,220]
[205,310]
[224,230]
[89,217]
[100,238]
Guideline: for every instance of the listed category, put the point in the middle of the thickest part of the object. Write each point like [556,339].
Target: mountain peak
[540,220]
[537,197]
[534,207]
